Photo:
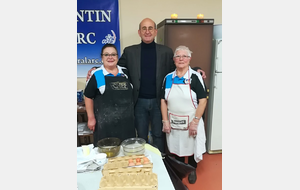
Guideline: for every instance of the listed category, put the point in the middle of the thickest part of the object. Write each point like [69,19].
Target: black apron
[114,110]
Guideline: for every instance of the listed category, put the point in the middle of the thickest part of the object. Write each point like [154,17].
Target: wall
[133,11]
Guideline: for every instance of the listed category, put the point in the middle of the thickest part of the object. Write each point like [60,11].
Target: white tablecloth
[91,180]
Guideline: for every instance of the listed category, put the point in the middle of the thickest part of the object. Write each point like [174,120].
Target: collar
[106,73]
[186,75]
[151,45]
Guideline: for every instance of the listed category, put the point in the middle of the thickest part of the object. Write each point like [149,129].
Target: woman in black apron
[109,100]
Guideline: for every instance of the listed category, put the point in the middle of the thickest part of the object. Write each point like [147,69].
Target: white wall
[133,11]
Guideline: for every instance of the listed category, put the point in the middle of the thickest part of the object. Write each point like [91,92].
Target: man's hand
[89,73]
[202,73]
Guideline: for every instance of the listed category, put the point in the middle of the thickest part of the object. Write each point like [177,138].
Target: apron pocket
[179,122]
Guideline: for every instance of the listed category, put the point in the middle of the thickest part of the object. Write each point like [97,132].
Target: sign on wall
[97,24]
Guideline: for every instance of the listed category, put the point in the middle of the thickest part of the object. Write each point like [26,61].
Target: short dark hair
[108,45]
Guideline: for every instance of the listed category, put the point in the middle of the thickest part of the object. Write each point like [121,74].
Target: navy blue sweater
[148,71]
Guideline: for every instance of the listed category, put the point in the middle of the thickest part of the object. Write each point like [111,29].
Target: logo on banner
[97,25]
[110,39]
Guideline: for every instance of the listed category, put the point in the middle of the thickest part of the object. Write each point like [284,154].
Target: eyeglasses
[182,56]
[113,55]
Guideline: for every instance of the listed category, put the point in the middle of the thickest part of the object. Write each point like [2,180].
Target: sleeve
[171,61]
[197,87]
[196,68]
[91,90]
[163,87]
[122,61]
[126,72]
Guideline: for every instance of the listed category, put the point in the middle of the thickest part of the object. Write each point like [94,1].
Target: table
[82,139]
[91,180]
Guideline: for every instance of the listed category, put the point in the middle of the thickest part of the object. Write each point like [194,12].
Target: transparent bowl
[110,146]
[133,146]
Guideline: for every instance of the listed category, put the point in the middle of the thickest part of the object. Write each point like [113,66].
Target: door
[218,68]
[197,37]
[214,131]
[216,125]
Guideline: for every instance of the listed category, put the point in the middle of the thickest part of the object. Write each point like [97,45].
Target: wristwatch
[197,118]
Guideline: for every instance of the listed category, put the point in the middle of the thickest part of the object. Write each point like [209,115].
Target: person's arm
[89,106]
[89,74]
[197,87]
[90,92]
[199,70]
[123,60]
[164,113]
[164,110]
[202,73]
[200,109]
[199,112]
[172,64]
[170,60]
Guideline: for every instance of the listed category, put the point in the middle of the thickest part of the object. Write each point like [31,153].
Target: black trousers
[191,160]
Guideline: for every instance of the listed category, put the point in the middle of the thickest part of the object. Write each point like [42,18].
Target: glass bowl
[110,146]
[133,146]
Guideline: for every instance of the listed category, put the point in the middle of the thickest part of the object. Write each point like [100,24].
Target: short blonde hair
[183,48]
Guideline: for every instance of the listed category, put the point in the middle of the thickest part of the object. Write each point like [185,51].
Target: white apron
[181,112]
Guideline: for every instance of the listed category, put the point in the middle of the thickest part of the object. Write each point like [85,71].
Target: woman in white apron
[182,106]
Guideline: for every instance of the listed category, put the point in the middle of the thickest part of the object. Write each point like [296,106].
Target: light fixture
[173,15]
[199,16]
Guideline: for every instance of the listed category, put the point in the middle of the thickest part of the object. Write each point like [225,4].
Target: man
[148,63]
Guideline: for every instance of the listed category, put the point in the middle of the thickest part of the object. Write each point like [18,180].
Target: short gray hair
[184,48]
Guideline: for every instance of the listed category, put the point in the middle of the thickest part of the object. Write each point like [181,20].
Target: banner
[97,24]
